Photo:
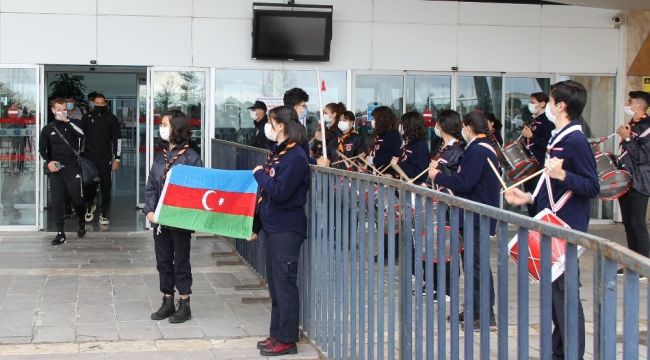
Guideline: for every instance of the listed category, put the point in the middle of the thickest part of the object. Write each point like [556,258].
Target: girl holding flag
[172,245]
[282,225]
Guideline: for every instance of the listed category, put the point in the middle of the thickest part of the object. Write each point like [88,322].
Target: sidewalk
[92,298]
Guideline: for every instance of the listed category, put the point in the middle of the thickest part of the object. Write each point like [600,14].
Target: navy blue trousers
[282,252]
[172,248]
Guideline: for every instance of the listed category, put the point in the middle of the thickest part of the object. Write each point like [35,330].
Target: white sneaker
[103,220]
[90,214]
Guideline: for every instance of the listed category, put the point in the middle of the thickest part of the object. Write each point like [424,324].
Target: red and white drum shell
[519,162]
[614,181]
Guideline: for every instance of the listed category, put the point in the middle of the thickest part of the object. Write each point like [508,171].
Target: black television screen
[292,35]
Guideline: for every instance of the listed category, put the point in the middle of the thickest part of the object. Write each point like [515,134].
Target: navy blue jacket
[581,178]
[386,147]
[352,146]
[635,155]
[541,127]
[155,181]
[415,159]
[449,157]
[475,179]
[283,191]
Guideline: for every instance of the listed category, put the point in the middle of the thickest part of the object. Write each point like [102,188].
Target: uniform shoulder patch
[272,172]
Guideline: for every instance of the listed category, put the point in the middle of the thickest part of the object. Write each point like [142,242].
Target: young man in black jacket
[258,114]
[103,146]
[635,156]
[59,147]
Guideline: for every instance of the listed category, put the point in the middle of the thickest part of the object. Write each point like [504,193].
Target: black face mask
[100,109]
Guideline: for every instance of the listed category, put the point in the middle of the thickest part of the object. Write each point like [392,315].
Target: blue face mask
[303,116]
[69,106]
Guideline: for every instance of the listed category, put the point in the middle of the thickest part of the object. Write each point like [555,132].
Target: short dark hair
[540,96]
[477,121]
[99,95]
[640,95]
[288,116]
[385,120]
[573,94]
[413,125]
[59,100]
[92,95]
[492,118]
[450,123]
[180,131]
[349,116]
[295,96]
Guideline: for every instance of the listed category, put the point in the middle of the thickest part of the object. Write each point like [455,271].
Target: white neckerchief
[555,207]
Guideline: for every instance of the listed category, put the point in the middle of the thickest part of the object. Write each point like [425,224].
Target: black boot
[166,309]
[183,312]
[81,230]
[59,239]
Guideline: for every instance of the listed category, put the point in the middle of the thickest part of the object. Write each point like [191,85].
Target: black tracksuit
[103,143]
[65,183]
[259,139]
[636,159]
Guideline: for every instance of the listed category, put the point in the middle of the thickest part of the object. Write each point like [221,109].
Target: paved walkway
[92,298]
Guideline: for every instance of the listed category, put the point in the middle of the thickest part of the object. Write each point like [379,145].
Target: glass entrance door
[19,159]
[172,88]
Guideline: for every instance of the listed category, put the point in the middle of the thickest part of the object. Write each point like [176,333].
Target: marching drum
[518,161]
[558,248]
[614,181]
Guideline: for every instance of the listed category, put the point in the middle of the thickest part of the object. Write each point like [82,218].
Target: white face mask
[532,108]
[327,118]
[549,114]
[465,137]
[344,126]
[628,110]
[401,130]
[253,114]
[61,115]
[164,133]
[436,130]
[268,131]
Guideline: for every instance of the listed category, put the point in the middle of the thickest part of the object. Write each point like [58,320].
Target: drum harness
[644,134]
[555,206]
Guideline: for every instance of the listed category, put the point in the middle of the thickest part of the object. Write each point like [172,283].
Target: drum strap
[644,134]
[489,147]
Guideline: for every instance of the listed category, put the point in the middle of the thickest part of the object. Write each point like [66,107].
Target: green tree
[66,85]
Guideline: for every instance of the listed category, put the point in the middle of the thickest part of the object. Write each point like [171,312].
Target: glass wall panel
[431,93]
[236,90]
[18,153]
[598,121]
[479,93]
[371,91]
[518,90]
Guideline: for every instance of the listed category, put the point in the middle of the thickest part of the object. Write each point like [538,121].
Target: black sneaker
[59,239]
[166,309]
[81,230]
[183,312]
[477,325]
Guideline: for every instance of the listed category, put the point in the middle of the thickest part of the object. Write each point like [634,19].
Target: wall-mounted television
[303,33]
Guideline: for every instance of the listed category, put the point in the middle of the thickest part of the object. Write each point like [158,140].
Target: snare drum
[614,181]
[519,162]
[558,248]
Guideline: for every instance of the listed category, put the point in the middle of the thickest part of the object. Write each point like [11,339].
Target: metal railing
[361,292]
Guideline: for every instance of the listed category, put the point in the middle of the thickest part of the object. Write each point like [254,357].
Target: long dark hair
[413,126]
[293,130]
[477,121]
[385,120]
[339,109]
[450,123]
[180,130]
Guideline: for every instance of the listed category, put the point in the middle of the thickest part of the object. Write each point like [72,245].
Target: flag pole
[320,107]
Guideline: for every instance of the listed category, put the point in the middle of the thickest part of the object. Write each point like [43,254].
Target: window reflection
[479,93]
[428,95]
[518,92]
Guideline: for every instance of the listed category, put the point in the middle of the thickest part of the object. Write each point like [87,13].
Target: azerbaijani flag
[214,201]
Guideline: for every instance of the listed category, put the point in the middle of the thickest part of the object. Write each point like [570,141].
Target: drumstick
[603,139]
[497,173]
[344,158]
[399,171]
[417,177]
[374,169]
[523,181]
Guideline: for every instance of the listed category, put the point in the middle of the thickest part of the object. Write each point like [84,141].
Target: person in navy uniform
[62,162]
[258,115]
[297,99]
[332,113]
[282,225]
[172,245]
[495,127]
[415,155]
[476,181]
[448,128]
[348,142]
[388,141]
[537,135]
[570,167]
[635,157]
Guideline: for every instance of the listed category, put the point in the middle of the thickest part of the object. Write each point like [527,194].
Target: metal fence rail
[374,243]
